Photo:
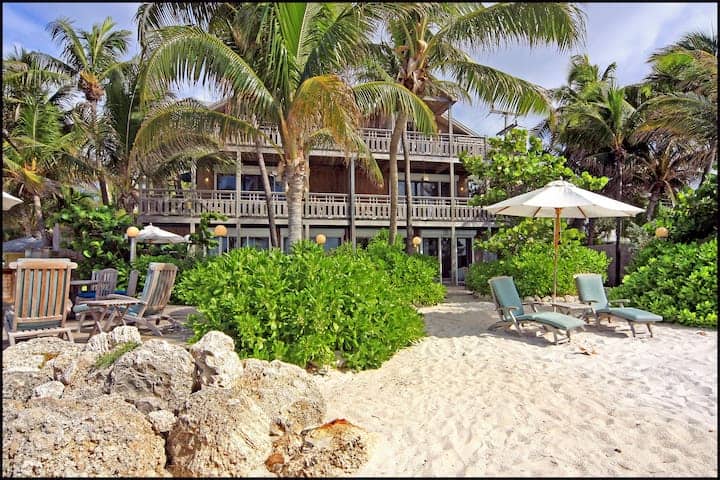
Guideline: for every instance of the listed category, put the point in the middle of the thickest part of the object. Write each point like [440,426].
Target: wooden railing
[191,203]
[378,140]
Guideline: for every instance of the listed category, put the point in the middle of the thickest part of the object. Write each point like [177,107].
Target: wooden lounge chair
[592,292]
[512,312]
[39,306]
[105,286]
[155,296]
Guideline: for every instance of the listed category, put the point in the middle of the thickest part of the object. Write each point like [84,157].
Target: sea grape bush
[532,269]
[675,280]
[306,307]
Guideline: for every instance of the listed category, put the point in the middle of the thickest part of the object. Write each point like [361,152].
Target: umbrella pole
[556,241]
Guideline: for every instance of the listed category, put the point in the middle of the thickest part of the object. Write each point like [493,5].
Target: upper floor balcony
[378,140]
[321,206]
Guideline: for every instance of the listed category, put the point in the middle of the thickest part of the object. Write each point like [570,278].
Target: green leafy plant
[675,280]
[203,236]
[304,308]
[98,233]
[111,357]
[532,269]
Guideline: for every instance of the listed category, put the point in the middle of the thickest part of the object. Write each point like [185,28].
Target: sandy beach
[468,402]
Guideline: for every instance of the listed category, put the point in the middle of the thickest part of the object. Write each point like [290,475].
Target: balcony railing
[378,140]
[191,203]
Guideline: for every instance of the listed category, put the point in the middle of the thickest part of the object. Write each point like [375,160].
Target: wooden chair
[105,286]
[154,298]
[39,307]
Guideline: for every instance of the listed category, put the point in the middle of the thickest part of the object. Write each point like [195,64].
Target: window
[253,183]
[225,181]
[332,242]
[261,243]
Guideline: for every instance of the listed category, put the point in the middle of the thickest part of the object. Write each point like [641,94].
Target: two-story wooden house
[343,204]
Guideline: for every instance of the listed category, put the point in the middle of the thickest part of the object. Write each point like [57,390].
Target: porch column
[238,190]
[453,239]
[351,203]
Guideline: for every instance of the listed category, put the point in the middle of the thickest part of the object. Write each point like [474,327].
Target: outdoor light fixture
[132,232]
[661,232]
[320,239]
[416,243]
[220,231]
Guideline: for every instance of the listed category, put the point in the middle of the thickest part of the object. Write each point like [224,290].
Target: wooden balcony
[378,140]
[187,204]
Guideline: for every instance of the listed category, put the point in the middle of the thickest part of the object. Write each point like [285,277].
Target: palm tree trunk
[98,164]
[268,194]
[40,225]
[398,129]
[295,175]
[618,221]
[408,199]
[652,204]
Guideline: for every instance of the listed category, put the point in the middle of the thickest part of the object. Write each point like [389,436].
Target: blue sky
[625,33]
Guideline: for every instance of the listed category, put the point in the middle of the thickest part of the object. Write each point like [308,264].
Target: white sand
[468,402]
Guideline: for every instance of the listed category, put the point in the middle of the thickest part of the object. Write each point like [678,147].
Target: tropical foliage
[308,308]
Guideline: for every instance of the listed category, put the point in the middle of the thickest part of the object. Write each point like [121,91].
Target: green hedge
[302,307]
[532,269]
[675,280]
[415,276]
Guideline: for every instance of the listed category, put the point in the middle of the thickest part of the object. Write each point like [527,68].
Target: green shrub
[142,262]
[303,307]
[413,275]
[532,269]
[675,280]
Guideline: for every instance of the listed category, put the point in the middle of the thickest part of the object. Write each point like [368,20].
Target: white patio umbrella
[152,234]
[10,201]
[561,199]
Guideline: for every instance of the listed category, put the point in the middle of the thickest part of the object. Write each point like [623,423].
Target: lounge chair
[592,292]
[511,311]
[39,306]
[155,296]
[105,286]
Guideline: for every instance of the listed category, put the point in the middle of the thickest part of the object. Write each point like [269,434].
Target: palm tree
[685,74]
[295,85]
[427,45]
[92,56]
[36,153]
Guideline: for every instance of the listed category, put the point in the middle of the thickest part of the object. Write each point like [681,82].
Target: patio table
[108,305]
[572,309]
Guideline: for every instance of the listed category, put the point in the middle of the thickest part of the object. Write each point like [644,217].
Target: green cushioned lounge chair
[512,311]
[591,291]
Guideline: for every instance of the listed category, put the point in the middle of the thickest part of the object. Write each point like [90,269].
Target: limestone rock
[64,438]
[99,343]
[162,421]
[69,367]
[52,389]
[337,448]
[155,376]
[286,392]
[20,385]
[219,432]
[33,355]
[124,334]
[216,363]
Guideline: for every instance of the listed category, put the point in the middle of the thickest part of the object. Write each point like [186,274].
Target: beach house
[343,204]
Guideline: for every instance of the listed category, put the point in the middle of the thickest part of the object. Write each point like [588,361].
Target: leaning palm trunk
[397,134]
[268,193]
[295,177]
[408,198]
[98,163]
[39,219]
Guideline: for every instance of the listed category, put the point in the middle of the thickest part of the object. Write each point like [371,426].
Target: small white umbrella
[152,234]
[562,199]
[10,201]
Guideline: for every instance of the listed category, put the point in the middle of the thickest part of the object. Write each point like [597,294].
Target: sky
[625,33]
